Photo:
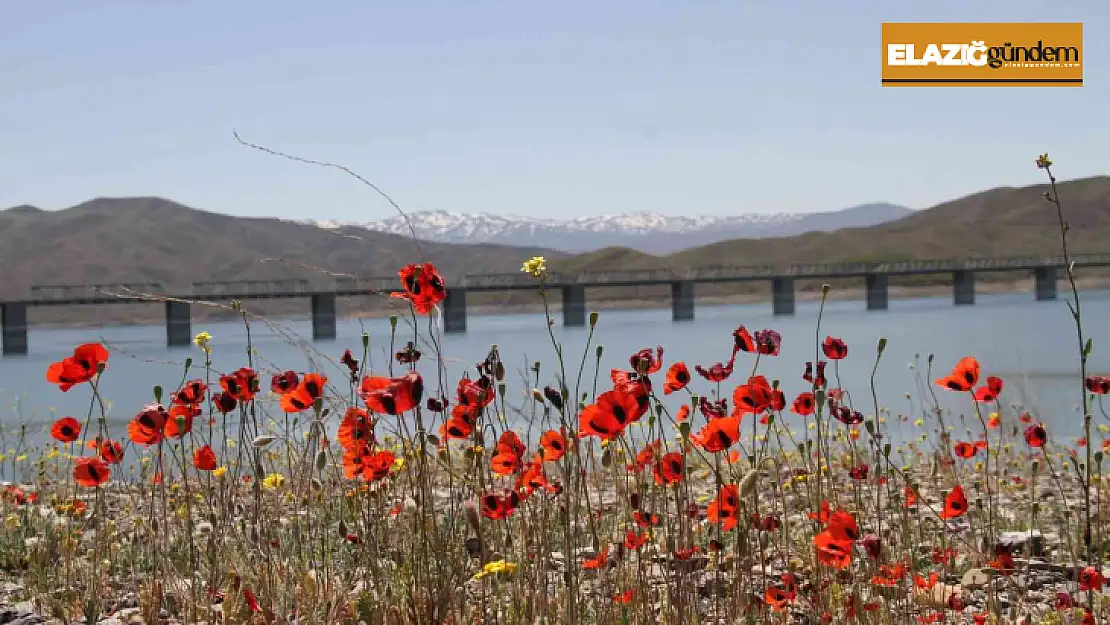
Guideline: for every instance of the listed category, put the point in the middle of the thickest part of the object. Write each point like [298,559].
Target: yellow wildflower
[535,267]
[273,481]
[12,522]
[203,340]
[220,472]
[495,568]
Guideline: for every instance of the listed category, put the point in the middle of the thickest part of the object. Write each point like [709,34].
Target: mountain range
[648,232]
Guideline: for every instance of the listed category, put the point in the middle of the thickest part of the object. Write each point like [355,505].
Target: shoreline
[807,295]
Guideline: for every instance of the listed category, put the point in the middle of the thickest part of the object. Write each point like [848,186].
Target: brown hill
[116,240]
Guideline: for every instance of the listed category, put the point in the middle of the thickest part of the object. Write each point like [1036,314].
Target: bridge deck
[78,295]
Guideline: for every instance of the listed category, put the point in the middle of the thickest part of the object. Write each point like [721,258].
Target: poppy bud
[825,290]
[882,344]
[393,322]
[599,351]
[157,393]
[188,363]
[365,340]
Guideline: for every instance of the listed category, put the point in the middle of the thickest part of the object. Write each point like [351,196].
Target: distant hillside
[646,232]
[113,240]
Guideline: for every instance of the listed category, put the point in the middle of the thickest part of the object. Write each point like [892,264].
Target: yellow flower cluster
[535,266]
[203,340]
[494,568]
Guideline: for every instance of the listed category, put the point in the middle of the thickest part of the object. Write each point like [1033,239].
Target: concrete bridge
[875,275]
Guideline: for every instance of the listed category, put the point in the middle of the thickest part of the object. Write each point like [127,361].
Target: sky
[546,109]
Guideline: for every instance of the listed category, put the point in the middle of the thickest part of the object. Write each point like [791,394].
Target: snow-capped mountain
[648,232]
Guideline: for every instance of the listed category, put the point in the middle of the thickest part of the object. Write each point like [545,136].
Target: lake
[1031,345]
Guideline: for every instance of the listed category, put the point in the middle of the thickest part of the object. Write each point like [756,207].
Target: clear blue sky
[541,108]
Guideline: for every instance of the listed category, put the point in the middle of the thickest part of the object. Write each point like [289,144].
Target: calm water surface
[1030,344]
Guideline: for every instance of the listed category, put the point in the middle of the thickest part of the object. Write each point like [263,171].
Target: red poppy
[859,472]
[508,458]
[204,459]
[478,393]
[242,384]
[669,469]
[147,427]
[348,360]
[600,562]
[724,510]
[644,362]
[461,423]
[965,450]
[755,396]
[678,376]
[804,404]
[392,396]
[180,420]
[224,403]
[634,541]
[91,471]
[842,526]
[356,429]
[408,355]
[1098,384]
[955,504]
[284,382]
[79,368]
[625,597]
[607,418]
[718,434]
[1036,435]
[498,507]
[192,392]
[832,551]
[718,372]
[554,445]
[991,391]
[66,430]
[683,413]
[645,519]
[306,393]
[964,376]
[423,287]
[873,546]
[834,348]
[743,340]
[110,452]
[1091,579]
[817,380]
[768,342]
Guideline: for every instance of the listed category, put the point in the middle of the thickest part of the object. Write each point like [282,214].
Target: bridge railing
[56,292]
[234,288]
[355,284]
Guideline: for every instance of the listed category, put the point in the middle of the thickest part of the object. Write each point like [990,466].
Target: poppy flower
[408,355]
[1036,435]
[478,393]
[712,409]
[1098,384]
[1091,579]
[645,519]
[608,417]
[554,445]
[624,597]
[599,562]
[508,458]
[683,413]
[743,340]
[834,348]
[755,396]
[91,471]
[964,376]
[965,450]
[718,372]
[192,392]
[79,368]
[204,459]
[859,472]
[147,427]
[224,403]
[461,423]
[842,526]
[804,404]
[284,382]
[819,379]
[718,434]
[644,362]
[669,469]
[991,391]
[242,384]
[66,430]
[873,546]
[832,551]
[644,458]
[955,504]
[348,360]
[356,429]
[180,421]
[768,342]
[110,452]
[724,510]
[306,393]
[634,541]
[498,507]
[423,287]
[678,376]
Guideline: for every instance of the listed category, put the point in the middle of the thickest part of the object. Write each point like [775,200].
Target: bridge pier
[574,306]
[454,311]
[323,316]
[782,296]
[963,288]
[1045,283]
[13,320]
[178,324]
[682,300]
[877,297]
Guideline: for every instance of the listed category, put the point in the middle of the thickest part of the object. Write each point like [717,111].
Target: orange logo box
[982,55]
